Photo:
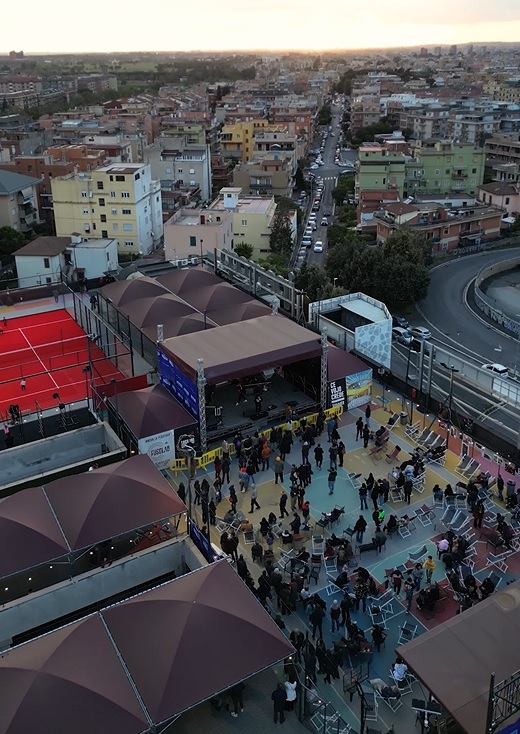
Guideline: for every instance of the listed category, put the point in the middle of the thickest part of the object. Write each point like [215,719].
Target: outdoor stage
[49,351]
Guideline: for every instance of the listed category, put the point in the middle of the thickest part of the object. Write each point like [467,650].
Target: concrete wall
[44,606]
[68,453]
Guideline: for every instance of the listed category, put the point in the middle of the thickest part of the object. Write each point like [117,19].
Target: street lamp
[201,255]
[452,370]
[334,282]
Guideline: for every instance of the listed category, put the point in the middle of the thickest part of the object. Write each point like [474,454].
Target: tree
[243,249]
[325,115]
[284,204]
[10,241]
[345,187]
[281,239]
[314,282]
[299,181]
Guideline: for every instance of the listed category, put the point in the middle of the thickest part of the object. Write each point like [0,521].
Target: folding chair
[448,516]
[376,452]
[431,440]
[412,430]
[420,440]
[495,579]
[402,528]
[418,556]
[394,704]
[393,421]
[392,456]
[498,561]
[384,603]
[460,521]
[369,697]
[285,561]
[318,544]
[221,525]
[396,494]
[418,483]
[331,566]
[404,685]
[471,469]
[425,515]
[377,616]
[407,632]
[463,464]
[314,573]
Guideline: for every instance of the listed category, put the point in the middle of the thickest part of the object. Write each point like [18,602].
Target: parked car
[324,222]
[318,246]
[401,336]
[498,369]
[420,332]
[399,320]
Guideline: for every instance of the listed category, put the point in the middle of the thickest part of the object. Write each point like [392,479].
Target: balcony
[459,175]
[267,184]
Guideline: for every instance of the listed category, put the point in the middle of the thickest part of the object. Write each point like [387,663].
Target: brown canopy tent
[244,348]
[455,660]
[157,310]
[178,644]
[150,411]
[123,292]
[29,533]
[342,364]
[198,635]
[112,500]
[240,312]
[68,681]
[188,280]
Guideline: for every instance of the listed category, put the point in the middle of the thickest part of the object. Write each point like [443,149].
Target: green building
[432,167]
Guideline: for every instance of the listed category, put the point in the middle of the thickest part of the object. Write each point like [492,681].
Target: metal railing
[494,310]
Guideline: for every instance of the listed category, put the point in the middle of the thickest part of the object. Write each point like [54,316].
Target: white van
[498,369]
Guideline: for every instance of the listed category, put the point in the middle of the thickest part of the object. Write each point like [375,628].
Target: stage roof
[343,364]
[178,644]
[150,411]
[455,660]
[244,348]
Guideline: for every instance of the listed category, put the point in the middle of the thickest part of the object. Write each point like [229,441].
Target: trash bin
[511,487]
[404,418]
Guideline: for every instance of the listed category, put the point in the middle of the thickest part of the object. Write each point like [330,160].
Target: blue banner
[179,384]
[202,542]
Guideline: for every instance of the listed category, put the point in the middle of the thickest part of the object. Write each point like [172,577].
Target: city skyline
[290,26]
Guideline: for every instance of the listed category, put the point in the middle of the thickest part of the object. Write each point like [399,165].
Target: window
[127,227]
[125,194]
[446,230]
[448,171]
[126,211]
[100,184]
[129,243]
[101,202]
[137,177]
[193,241]
[168,169]
[179,170]
[85,211]
[83,194]
[120,178]
[48,280]
[103,217]
[192,170]
[437,171]
[218,219]
[193,182]
[446,184]
[104,234]
[115,226]
[156,198]
[29,168]
[507,200]
[113,210]
[473,170]
[244,222]
[112,194]
[46,262]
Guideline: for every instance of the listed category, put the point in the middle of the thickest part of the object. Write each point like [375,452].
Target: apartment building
[364,112]
[252,218]
[504,196]
[74,259]
[236,139]
[190,233]
[446,229]
[271,176]
[221,173]
[115,201]
[439,167]
[276,143]
[503,148]
[176,163]
[97,83]
[203,131]
[18,201]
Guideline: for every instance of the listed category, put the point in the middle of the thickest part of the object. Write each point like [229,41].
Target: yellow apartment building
[237,139]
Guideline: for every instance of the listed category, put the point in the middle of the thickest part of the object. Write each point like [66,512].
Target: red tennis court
[49,351]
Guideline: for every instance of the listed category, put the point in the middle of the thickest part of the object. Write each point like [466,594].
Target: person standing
[318,456]
[361,593]
[290,690]
[241,392]
[359,428]
[278,470]
[258,403]
[316,620]
[254,499]
[333,456]
[22,384]
[366,435]
[225,464]
[368,413]
[279,698]
[397,580]
[331,479]
[335,614]
[306,511]
[378,636]
[500,487]
[478,514]
[265,453]
[233,499]
[235,694]
[429,567]
[363,497]
[341,452]
[359,528]
[408,593]
[283,505]
[407,489]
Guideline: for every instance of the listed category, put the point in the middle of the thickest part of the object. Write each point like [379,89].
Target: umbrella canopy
[240,312]
[157,310]
[29,533]
[150,411]
[215,297]
[198,635]
[127,291]
[184,281]
[68,681]
[111,501]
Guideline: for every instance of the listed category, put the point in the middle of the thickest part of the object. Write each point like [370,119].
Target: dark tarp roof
[112,500]
[122,292]
[157,310]
[240,312]
[244,348]
[29,534]
[343,364]
[186,280]
[455,660]
[150,411]
[68,681]
[196,636]
[180,644]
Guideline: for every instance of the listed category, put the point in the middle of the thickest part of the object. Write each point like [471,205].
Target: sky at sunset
[58,26]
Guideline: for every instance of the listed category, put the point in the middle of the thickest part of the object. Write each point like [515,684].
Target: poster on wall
[160,448]
[359,389]
[179,384]
[337,392]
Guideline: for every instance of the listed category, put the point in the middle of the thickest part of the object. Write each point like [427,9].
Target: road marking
[38,359]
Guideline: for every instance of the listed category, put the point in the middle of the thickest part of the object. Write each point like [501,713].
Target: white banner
[160,448]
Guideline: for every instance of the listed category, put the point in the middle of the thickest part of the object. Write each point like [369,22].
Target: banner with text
[160,448]
[337,392]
